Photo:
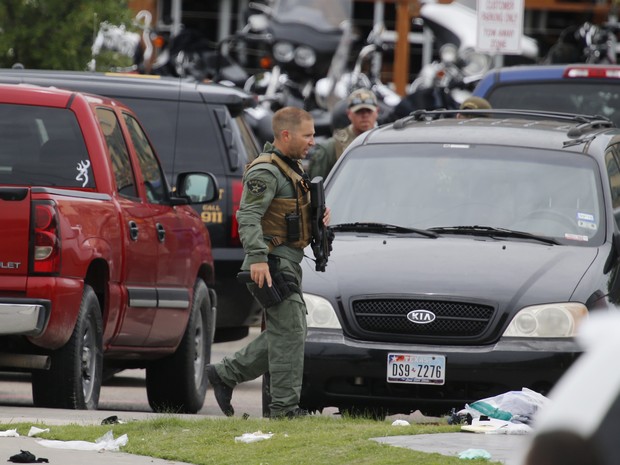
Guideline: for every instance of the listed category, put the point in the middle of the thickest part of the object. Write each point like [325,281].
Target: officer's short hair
[288,118]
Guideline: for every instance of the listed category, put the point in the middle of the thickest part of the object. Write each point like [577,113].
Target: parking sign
[500,26]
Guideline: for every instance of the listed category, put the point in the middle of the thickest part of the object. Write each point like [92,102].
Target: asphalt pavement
[506,449]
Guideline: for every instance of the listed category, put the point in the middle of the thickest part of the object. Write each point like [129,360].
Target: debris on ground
[472,454]
[253,437]
[26,456]
[105,442]
[400,423]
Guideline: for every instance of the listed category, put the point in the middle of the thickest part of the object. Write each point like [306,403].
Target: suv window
[228,135]
[167,120]
[247,137]
[199,146]
[160,118]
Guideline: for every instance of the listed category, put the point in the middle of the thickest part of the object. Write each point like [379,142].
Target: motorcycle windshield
[322,15]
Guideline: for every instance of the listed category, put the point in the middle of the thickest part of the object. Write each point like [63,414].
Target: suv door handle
[161,232]
[133,230]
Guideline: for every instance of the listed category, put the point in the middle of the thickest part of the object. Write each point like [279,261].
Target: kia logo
[421,317]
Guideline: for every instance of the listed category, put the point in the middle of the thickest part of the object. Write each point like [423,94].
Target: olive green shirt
[324,155]
[261,184]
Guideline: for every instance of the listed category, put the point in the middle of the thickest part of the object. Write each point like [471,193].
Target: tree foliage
[55,34]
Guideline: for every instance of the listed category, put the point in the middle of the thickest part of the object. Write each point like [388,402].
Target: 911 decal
[212,214]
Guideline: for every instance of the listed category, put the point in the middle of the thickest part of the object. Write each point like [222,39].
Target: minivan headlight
[548,320]
[321,314]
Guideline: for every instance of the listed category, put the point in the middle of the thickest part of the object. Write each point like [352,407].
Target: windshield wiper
[382,228]
[494,232]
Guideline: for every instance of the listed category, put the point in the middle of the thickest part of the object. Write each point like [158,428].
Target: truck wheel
[178,383]
[74,378]
[370,413]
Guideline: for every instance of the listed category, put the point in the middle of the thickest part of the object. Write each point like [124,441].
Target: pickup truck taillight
[46,238]
[591,72]
[237,190]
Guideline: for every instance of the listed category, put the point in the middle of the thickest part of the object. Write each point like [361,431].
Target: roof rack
[587,122]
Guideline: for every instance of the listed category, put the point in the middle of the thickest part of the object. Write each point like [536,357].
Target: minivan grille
[452,319]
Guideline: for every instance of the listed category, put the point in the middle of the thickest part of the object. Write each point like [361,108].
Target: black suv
[468,250]
[195,127]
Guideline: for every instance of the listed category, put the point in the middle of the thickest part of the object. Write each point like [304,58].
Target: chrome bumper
[23,318]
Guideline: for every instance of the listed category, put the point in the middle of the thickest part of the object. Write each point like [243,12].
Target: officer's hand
[259,272]
[326,216]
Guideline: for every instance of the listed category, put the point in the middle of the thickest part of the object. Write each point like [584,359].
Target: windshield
[544,193]
[583,97]
[323,15]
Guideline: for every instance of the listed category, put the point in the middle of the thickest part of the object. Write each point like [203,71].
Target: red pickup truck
[102,265]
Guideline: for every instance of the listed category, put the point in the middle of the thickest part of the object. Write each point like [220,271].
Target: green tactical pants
[278,350]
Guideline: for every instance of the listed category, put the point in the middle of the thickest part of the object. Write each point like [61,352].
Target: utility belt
[282,285]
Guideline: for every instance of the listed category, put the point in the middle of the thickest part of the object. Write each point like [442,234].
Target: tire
[370,413]
[178,383]
[75,376]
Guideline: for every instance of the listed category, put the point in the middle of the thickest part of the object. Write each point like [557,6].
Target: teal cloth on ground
[490,411]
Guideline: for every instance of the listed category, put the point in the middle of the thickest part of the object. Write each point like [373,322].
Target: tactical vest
[273,222]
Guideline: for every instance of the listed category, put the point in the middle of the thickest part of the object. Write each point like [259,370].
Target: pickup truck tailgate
[14,204]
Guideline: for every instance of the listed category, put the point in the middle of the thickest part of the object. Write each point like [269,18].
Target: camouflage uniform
[279,349]
[325,155]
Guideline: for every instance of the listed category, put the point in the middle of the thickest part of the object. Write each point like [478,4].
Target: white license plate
[416,369]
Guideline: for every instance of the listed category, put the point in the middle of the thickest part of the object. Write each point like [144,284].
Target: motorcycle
[303,41]
[192,55]
[443,83]
[188,54]
[114,38]
[585,43]
[366,73]
[451,77]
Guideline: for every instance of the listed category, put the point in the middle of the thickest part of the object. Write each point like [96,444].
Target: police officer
[362,111]
[274,188]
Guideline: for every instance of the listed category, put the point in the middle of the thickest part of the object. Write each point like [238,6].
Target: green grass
[307,441]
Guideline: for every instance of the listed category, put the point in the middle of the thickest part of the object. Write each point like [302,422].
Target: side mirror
[197,187]
[611,267]
[614,254]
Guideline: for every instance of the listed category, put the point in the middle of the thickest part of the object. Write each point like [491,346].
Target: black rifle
[322,236]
